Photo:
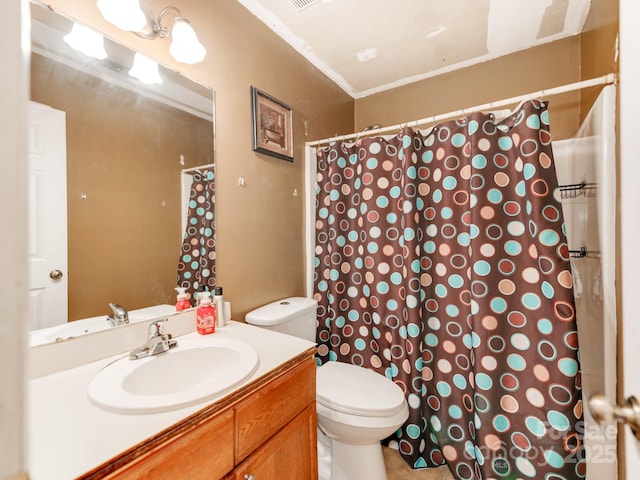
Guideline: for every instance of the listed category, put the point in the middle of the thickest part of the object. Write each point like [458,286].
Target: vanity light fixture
[87,41]
[126,15]
[145,69]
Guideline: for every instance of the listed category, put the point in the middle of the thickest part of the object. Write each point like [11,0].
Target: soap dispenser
[205,315]
[182,302]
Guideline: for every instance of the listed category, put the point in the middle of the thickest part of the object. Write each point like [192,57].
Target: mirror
[127,146]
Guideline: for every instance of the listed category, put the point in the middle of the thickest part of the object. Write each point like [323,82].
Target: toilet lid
[350,389]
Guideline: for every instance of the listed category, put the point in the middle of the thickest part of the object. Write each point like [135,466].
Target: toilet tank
[294,316]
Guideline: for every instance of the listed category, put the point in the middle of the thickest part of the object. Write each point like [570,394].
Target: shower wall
[590,223]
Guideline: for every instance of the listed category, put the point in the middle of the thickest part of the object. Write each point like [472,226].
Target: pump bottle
[205,315]
[182,302]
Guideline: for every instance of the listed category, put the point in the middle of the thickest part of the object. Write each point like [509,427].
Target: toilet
[356,407]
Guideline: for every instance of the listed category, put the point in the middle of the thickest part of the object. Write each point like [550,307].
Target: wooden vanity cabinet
[265,431]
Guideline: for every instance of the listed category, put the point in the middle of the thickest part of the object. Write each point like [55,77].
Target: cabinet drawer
[291,453]
[273,406]
[203,453]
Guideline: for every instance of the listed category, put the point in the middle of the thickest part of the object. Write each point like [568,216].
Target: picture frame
[272,125]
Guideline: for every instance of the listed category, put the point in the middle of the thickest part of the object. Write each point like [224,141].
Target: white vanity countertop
[68,436]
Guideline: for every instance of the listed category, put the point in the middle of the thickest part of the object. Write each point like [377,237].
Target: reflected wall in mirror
[126,146]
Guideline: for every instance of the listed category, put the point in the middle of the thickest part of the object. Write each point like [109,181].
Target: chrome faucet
[157,342]
[120,315]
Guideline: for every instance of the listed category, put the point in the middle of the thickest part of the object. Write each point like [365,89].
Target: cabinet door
[266,411]
[203,453]
[289,454]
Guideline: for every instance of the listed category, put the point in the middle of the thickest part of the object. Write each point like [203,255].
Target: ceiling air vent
[302,4]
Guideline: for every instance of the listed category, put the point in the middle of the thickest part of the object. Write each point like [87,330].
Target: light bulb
[185,46]
[127,15]
[87,41]
[145,69]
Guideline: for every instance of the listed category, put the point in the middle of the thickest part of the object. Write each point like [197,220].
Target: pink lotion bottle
[182,302]
[205,315]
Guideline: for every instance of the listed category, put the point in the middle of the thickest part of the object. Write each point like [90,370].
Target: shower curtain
[441,262]
[196,265]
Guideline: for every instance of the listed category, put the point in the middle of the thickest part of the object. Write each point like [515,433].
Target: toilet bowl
[356,407]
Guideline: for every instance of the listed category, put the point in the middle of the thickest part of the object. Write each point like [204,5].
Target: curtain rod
[193,169]
[603,80]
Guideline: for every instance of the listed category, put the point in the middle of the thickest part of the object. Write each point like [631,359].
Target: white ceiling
[367,46]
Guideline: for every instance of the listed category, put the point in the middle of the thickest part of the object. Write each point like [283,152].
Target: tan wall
[260,227]
[122,155]
[527,71]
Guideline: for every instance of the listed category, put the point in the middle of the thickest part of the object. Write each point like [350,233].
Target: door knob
[55,274]
[605,412]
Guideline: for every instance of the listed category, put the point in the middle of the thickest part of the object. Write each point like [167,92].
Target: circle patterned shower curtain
[197,262]
[441,262]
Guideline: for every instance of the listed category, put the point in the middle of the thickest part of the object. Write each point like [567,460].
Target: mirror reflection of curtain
[441,263]
[197,263]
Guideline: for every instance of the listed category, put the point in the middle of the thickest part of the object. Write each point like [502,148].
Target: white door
[47,216]
[629,172]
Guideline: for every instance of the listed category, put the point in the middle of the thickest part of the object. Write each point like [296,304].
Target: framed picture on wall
[272,126]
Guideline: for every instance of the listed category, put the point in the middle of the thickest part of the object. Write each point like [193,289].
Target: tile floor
[397,469]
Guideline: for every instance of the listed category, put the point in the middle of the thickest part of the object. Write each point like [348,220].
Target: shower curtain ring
[367,129]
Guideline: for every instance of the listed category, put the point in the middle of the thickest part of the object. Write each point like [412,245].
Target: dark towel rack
[573,190]
[583,253]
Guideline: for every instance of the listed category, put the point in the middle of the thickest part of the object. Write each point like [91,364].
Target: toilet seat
[353,390]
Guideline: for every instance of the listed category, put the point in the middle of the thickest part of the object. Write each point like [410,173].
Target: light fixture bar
[185,46]
[157,29]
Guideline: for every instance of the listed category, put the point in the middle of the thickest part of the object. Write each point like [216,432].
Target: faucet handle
[120,314]
[155,328]
[157,342]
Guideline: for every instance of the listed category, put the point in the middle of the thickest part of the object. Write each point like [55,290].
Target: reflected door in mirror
[47,190]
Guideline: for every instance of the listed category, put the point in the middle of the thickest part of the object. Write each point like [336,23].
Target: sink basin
[195,371]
